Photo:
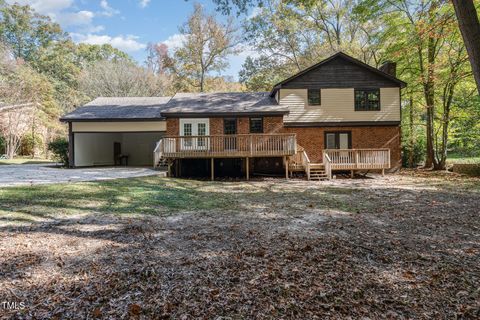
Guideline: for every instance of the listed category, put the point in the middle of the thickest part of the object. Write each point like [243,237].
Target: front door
[230,128]
[194,128]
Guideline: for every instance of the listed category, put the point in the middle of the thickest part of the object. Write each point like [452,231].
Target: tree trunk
[470,28]
[412,137]
[429,90]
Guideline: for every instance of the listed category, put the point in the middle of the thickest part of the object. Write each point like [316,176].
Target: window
[338,140]
[314,97]
[187,131]
[256,125]
[367,100]
[202,131]
[230,126]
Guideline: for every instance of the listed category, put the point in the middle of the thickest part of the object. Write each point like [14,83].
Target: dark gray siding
[339,73]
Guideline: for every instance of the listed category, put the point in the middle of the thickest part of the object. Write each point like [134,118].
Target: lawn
[403,246]
[24,161]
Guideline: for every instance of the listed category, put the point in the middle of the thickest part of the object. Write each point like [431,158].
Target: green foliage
[207,44]
[2,145]
[26,31]
[59,148]
[29,143]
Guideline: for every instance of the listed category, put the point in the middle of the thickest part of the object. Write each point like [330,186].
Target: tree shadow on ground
[254,253]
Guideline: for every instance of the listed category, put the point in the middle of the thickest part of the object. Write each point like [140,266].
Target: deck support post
[247,169]
[169,166]
[352,173]
[212,169]
[383,172]
[286,167]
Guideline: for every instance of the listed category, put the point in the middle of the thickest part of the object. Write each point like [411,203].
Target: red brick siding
[270,125]
[216,126]
[173,127]
[362,137]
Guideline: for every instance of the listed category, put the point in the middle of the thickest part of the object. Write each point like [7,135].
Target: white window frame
[194,145]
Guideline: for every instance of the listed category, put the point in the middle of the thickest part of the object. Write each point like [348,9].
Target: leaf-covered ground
[403,246]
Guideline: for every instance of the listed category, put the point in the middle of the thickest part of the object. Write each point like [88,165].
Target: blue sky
[126,24]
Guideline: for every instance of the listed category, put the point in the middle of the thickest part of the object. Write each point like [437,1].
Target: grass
[162,197]
[24,161]
[457,158]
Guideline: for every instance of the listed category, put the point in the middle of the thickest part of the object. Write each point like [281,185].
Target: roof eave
[223,114]
[110,119]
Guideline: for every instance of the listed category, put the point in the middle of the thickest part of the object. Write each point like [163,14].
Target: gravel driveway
[29,174]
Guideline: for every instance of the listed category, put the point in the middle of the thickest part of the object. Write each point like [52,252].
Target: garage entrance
[115,148]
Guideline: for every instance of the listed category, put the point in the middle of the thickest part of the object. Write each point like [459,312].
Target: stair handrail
[306,163]
[157,153]
[327,162]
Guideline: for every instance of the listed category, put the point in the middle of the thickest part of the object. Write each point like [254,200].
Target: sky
[128,25]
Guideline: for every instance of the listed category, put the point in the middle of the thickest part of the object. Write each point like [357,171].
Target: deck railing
[358,159]
[238,145]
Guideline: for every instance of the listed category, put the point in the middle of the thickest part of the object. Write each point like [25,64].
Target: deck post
[286,167]
[352,174]
[383,172]
[169,172]
[212,169]
[247,169]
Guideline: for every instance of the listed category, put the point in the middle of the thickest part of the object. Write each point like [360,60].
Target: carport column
[247,169]
[71,147]
[212,169]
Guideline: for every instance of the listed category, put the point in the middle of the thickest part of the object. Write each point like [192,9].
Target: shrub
[2,145]
[29,143]
[59,148]
[418,155]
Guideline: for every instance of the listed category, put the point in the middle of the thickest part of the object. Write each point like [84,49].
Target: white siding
[337,105]
[121,126]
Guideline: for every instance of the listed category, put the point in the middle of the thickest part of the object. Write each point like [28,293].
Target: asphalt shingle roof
[220,103]
[117,108]
[182,103]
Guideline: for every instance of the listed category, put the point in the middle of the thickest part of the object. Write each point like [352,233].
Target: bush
[29,143]
[59,148]
[2,145]
[418,154]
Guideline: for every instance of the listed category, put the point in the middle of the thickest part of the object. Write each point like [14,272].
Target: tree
[470,27]
[121,79]
[204,50]
[26,32]
[290,36]
[157,52]
[28,103]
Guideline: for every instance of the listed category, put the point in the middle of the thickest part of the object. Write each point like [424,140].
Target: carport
[115,131]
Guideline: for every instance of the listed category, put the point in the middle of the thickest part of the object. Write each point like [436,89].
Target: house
[339,114]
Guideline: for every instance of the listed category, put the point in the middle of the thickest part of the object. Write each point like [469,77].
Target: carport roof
[120,109]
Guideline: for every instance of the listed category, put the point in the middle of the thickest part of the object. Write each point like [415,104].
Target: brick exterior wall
[173,127]
[272,124]
[312,139]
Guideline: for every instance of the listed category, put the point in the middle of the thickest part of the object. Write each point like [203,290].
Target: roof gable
[339,71]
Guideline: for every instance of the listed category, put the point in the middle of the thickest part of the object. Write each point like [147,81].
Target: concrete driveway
[31,174]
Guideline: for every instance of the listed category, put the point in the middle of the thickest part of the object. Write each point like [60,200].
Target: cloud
[175,41]
[107,10]
[144,3]
[126,43]
[80,18]
[47,7]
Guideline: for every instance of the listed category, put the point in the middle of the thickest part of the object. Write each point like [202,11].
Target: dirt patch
[403,246]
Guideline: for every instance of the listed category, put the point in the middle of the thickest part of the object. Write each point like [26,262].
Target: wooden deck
[226,146]
[340,160]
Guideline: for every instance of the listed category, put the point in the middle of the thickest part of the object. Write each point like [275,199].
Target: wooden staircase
[317,172]
[301,163]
